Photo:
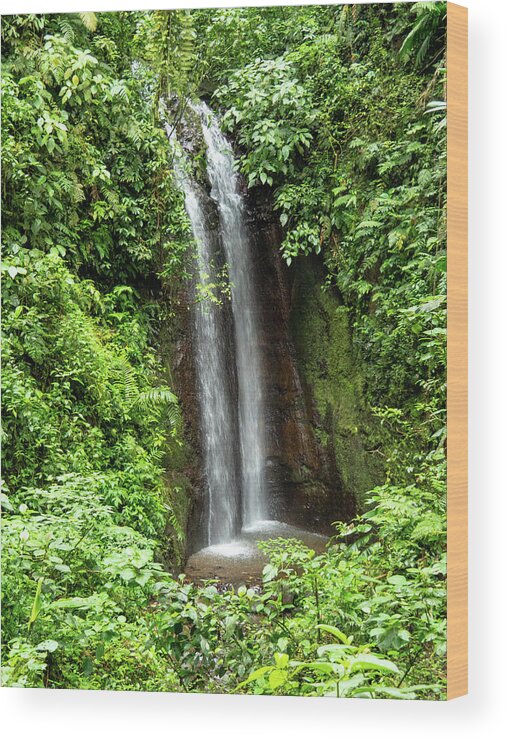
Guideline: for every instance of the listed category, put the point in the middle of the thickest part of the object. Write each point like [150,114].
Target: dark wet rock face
[333,379]
[301,490]
[303,485]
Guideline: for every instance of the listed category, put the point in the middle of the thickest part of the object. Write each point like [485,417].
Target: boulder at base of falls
[240,561]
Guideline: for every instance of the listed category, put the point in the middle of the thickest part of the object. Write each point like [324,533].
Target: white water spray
[225,190]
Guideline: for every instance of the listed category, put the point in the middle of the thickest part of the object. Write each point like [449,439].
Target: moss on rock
[331,374]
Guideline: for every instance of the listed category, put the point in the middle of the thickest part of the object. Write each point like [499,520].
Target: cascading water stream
[217,412]
[225,191]
[226,495]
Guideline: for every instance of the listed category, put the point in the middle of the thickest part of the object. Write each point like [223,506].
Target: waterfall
[225,191]
[217,412]
[231,503]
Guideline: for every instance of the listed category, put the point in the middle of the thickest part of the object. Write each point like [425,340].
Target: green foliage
[274,117]
[427,31]
[321,625]
[85,169]
[89,20]
[164,43]
[60,549]
[340,670]
[78,376]
[382,580]
[90,216]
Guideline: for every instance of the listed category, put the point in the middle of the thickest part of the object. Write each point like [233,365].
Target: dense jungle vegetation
[339,111]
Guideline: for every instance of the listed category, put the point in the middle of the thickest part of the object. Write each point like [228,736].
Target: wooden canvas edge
[457,351]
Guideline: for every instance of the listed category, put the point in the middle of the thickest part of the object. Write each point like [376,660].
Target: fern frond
[124,380]
[161,396]
[89,20]
[66,30]
[179,532]
[157,395]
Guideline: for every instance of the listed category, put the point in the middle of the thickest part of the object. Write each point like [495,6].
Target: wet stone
[240,561]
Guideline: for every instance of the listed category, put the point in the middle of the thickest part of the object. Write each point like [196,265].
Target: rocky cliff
[321,442]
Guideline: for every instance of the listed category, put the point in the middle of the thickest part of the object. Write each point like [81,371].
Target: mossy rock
[331,374]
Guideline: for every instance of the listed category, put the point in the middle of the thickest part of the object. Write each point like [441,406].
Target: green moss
[331,374]
[181,456]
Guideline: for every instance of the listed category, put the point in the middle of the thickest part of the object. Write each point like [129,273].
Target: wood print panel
[457,546]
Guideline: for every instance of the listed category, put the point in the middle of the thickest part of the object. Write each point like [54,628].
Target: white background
[41,714]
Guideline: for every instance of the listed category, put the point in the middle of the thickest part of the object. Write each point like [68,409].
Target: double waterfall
[231,411]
